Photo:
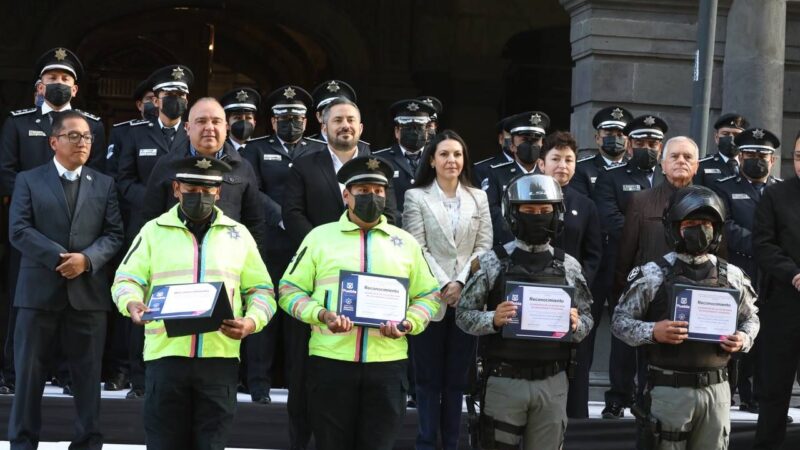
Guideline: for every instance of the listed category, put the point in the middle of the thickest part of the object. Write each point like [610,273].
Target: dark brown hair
[558,139]
[426,174]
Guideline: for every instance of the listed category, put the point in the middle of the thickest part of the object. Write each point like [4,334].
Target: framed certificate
[542,311]
[369,300]
[191,308]
[711,312]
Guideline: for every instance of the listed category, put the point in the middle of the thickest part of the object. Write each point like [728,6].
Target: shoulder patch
[136,123]
[635,273]
[127,122]
[88,115]
[724,179]
[483,161]
[502,164]
[383,150]
[22,112]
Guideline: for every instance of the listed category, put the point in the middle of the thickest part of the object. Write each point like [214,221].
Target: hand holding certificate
[540,311]
[710,312]
[373,300]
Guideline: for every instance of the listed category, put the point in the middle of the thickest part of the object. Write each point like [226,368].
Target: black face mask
[369,207]
[755,168]
[697,239]
[290,130]
[413,139]
[528,153]
[727,147]
[242,129]
[173,106]
[644,158]
[57,94]
[149,111]
[535,229]
[613,146]
[507,148]
[197,205]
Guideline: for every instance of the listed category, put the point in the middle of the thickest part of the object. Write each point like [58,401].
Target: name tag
[37,133]
[711,171]
[592,179]
[396,174]
[739,196]
[631,187]
[272,157]
[148,151]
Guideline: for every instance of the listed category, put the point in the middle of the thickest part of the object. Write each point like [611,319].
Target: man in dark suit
[724,163]
[66,224]
[313,197]
[411,119]
[776,247]
[24,145]
[613,189]
[611,141]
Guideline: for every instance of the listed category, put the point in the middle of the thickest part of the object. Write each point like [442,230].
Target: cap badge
[536,119]
[333,87]
[428,102]
[289,92]
[758,133]
[373,164]
[412,107]
[617,114]
[650,121]
[241,96]
[60,54]
[203,164]
[177,73]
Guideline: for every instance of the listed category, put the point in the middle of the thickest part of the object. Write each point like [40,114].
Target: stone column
[753,70]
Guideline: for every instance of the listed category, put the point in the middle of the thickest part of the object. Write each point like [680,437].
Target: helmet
[693,202]
[532,189]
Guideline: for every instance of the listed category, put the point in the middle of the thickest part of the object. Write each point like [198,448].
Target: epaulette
[615,166]
[317,140]
[706,158]
[127,122]
[363,142]
[376,152]
[586,158]
[136,123]
[730,177]
[780,180]
[22,112]
[88,115]
[484,160]
[258,138]
[502,164]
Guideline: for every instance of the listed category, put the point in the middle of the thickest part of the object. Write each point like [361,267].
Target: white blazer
[448,255]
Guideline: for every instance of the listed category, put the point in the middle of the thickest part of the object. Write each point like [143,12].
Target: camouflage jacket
[643,284]
[471,314]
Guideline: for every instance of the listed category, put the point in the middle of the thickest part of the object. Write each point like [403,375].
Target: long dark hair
[426,174]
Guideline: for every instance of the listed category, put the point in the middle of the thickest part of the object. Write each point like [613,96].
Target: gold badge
[289,92]
[373,164]
[203,164]
[61,54]
[177,73]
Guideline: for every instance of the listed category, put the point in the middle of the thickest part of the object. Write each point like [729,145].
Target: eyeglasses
[75,138]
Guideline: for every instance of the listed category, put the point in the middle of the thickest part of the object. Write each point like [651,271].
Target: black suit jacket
[24,144]
[313,197]
[41,229]
[581,237]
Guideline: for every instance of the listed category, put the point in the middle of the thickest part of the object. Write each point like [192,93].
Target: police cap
[613,117]
[172,78]
[200,171]
[328,90]
[731,121]
[59,58]
[757,140]
[365,169]
[433,102]
[411,110]
[647,126]
[240,99]
[289,100]
[530,122]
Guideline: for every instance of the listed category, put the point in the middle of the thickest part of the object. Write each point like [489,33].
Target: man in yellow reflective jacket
[190,384]
[357,379]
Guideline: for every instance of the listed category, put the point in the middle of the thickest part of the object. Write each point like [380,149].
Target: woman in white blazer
[451,221]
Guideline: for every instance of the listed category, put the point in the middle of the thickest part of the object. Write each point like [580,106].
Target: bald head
[680,160]
[206,126]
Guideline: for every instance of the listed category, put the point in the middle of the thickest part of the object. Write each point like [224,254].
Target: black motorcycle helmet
[693,202]
[530,188]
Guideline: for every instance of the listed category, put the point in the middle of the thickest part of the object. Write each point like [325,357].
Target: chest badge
[233,233]
[396,241]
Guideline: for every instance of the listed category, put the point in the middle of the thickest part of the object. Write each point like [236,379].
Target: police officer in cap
[614,186]
[24,145]
[480,170]
[687,403]
[436,104]
[143,97]
[525,384]
[411,119]
[527,131]
[741,194]
[240,105]
[611,141]
[325,93]
[725,162]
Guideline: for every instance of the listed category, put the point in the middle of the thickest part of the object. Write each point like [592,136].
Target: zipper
[199,250]
[362,334]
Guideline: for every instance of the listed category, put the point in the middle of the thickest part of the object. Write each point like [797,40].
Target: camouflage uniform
[704,412]
[537,408]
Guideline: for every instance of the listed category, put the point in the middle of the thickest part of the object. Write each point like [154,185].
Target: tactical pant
[703,413]
[536,411]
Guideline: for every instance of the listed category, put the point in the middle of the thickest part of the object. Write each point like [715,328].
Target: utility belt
[697,380]
[505,370]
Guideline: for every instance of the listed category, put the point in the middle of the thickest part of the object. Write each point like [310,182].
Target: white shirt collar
[724,158]
[442,195]
[71,175]
[523,169]
[407,151]
[47,108]
[236,146]
[161,124]
[608,161]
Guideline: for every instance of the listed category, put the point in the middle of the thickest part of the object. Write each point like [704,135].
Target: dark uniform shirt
[581,238]
[499,177]
[404,175]
[586,172]
[480,170]
[712,168]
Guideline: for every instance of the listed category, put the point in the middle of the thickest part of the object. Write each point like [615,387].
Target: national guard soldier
[325,93]
[411,119]
[436,104]
[527,132]
[240,105]
[480,170]
[272,157]
[741,194]
[613,189]
[611,141]
[143,97]
[525,381]
[24,146]
[725,162]
[687,403]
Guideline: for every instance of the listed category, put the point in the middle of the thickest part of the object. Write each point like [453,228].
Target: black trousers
[8,346]
[81,335]
[189,403]
[779,354]
[356,406]
[296,335]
